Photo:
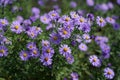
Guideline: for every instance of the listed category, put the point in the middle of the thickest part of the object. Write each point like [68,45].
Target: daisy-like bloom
[85,28]
[69,58]
[118,1]
[116,26]
[74,76]
[53,15]
[4,22]
[48,50]
[101,39]
[64,32]
[83,47]
[73,4]
[5,41]
[33,32]
[46,59]
[35,11]
[100,21]
[105,48]
[90,16]
[3,51]
[90,2]
[78,38]
[45,43]
[55,38]
[27,22]
[35,52]
[94,60]
[74,15]
[24,55]
[109,73]
[16,27]
[70,26]
[64,50]
[45,19]
[86,37]
[110,5]
[110,20]
[80,20]
[65,19]
[31,46]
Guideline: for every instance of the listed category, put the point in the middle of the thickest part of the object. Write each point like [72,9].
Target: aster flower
[31,46]
[78,38]
[74,76]
[101,39]
[55,38]
[53,15]
[4,22]
[73,4]
[65,19]
[110,5]
[90,16]
[35,11]
[90,2]
[83,47]
[50,26]
[110,20]
[46,59]
[45,19]
[86,38]
[80,20]
[24,55]
[94,60]
[69,27]
[85,28]
[116,26]
[45,43]
[74,15]
[118,1]
[100,21]
[105,48]
[109,73]
[48,50]
[3,51]
[27,22]
[35,52]
[69,58]
[64,50]
[64,32]
[16,27]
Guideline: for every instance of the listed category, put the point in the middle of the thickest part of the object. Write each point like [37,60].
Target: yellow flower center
[46,59]
[65,49]
[64,32]
[48,50]
[31,46]
[2,51]
[45,19]
[110,19]
[55,37]
[101,20]
[67,19]
[69,59]
[94,60]
[3,22]
[109,72]
[25,55]
[86,38]
[53,14]
[81,20]
[32,34]
[34,52]
[16,27]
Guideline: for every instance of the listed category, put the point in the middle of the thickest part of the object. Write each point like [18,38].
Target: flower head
[100,21]
[109,73]
[3,51]
[83,47]
[24,55]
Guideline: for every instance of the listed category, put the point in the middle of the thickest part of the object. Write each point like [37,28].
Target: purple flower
[45,43]
[110,5]
[50,26]
[64,50]
[24,55]
[116,26]
[45,19]
[19,19]
[16,27]
[64,32]
[118,1]
[109,73]
[90,16]
[80,20]
[74,76]
[69,58]
[53,15]
[101,39]
[65,19]
[48,50]
[74,15]
[3,51]
[85,28]
[55,38]
[100,21]
[83,47]
[31,46]
[4,22]
[78,38]
[86,38]
[35,52]
[35,11]
[105,48]
[90,2]
[27,22]
[95,61]
[73,4]
[46,59]
[110,20]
